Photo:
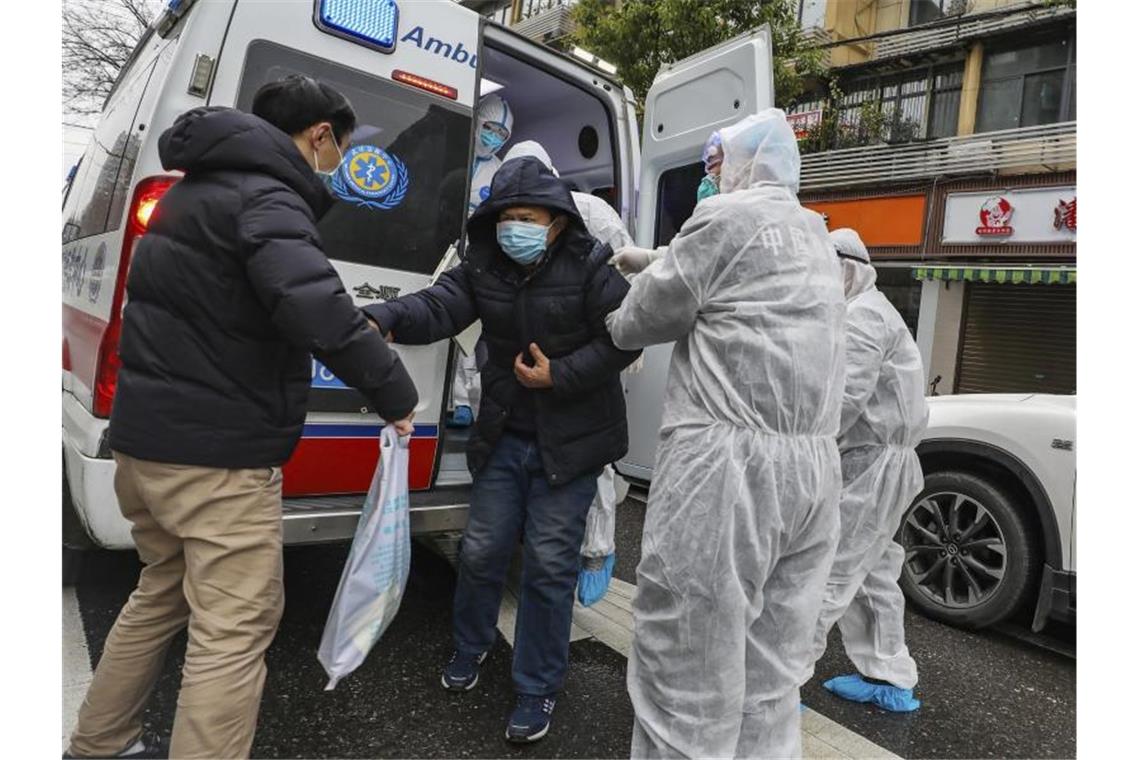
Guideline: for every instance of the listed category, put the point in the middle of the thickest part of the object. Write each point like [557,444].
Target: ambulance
[414,72]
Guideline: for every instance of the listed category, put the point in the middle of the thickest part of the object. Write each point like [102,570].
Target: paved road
[985,695]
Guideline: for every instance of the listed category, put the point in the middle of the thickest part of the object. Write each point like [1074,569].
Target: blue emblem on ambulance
[371,177]
[485,192]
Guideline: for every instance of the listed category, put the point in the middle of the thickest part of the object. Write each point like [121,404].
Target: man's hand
[387,336]
[405,426]
[538,376]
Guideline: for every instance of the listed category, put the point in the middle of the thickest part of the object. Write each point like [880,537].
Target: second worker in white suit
[884,417]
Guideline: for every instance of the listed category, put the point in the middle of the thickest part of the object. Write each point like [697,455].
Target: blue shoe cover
[461,417]
[802,707]
[888,697]
[592,584]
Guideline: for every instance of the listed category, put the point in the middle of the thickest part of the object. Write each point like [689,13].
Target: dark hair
[297,102]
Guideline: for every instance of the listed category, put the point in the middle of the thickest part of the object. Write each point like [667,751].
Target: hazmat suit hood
[760,150]
[858,274]
[533,150]
[492,109]
[599,217]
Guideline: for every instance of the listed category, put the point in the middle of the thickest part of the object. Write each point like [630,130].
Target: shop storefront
[1008,283]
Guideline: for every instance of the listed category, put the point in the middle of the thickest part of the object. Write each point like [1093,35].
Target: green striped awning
[1011,275]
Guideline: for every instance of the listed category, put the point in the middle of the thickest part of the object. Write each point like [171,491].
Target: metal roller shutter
[1019,339]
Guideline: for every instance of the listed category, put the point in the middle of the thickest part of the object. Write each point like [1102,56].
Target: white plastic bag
[376,572]
[599,539]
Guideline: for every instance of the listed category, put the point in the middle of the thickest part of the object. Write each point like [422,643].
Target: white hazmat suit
[603,223]
[883,419]
[743,511]
[493,117]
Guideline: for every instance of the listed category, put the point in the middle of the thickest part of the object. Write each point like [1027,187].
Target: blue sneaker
[462,671]
[462,417]
[531,719]
[884,695]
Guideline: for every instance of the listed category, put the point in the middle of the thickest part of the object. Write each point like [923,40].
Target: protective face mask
[523,242]
[708,188]
[491,140]
[327,176]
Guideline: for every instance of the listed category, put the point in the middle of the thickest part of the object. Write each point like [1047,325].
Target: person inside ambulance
[743,516]
[229,296]
[884,417]
[493,122]
[552,415]
[598,555]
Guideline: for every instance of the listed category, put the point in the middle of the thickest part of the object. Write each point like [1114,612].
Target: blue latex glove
[592,584]
[888,697]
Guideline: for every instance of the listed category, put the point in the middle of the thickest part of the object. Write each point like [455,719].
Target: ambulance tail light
[146,197]
[436,88]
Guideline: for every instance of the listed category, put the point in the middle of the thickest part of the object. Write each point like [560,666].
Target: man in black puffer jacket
[552,415]
[229,294]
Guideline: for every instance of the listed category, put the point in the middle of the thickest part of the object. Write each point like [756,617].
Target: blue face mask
[523,242]
[707,188]
[491,140]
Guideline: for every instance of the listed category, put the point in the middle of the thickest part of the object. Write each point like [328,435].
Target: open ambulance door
[400,191]
[687,102]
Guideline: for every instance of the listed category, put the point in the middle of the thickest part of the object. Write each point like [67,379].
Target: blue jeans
[511,497]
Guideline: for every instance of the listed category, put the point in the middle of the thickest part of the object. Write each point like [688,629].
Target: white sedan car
[994,528]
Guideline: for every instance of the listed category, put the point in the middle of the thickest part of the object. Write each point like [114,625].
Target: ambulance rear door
[687,102]
[409,70]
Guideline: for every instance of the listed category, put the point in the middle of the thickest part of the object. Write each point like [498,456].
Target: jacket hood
[224,139]
[525,182]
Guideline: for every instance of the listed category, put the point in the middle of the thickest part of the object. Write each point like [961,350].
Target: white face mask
[327,175]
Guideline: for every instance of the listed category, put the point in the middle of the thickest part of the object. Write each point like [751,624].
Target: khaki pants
[210,540]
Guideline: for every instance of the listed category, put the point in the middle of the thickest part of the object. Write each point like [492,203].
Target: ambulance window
[98,195]
[399,209]
[676,199]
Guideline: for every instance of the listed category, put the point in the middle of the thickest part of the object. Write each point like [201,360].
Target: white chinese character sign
[1030,215]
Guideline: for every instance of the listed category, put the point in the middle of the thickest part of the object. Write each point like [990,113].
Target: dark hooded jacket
[561,305]
[229,294]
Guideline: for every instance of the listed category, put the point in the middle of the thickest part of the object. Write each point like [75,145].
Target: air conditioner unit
[959,7]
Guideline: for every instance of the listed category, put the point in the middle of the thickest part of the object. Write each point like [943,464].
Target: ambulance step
[320,519]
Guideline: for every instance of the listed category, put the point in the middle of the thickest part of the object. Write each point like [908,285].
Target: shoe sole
[528,739]
[468,687]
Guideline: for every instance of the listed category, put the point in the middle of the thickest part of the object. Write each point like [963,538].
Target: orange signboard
[880,222]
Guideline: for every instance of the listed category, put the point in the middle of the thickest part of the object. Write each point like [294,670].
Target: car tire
[984,600]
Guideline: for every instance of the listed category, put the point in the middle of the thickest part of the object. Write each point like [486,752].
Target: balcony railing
[922,40]
[1027,150]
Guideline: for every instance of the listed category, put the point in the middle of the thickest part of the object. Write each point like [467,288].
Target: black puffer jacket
[561,305]
[228,294]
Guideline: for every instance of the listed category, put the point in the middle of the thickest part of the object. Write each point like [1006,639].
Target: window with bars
[916,105]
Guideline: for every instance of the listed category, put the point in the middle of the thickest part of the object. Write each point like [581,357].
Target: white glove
[631,259]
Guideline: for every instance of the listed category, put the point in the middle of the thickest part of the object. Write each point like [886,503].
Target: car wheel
[971,558]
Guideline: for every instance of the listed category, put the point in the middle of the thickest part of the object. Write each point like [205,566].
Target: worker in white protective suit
[883,419]
[598,555]
[743,513]
[494,121]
